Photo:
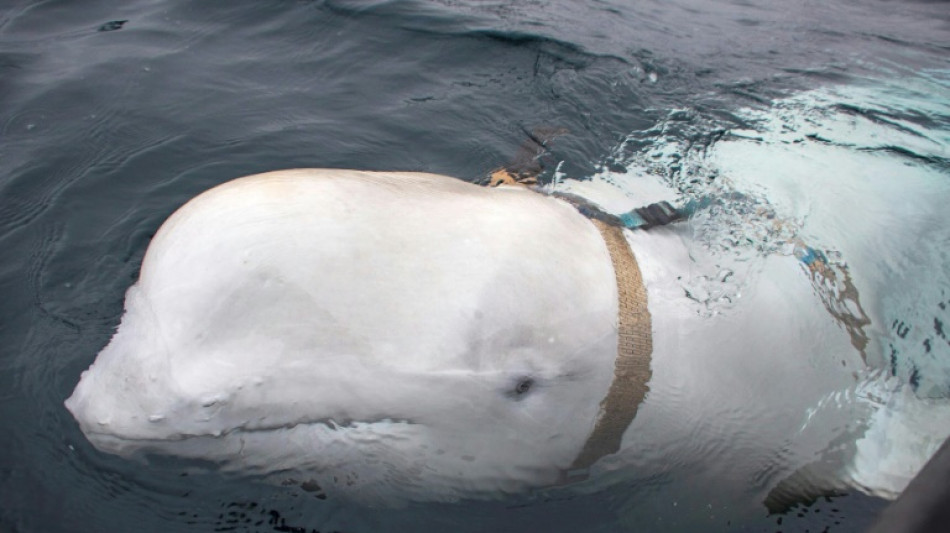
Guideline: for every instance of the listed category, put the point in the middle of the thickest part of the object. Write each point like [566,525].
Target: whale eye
[523,386]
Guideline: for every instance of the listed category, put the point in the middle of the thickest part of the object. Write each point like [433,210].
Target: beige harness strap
[634,340]
[632,367]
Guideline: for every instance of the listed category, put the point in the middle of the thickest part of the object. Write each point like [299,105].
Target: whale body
[393,336]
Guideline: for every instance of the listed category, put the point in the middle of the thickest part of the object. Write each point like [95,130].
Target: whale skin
[392,336]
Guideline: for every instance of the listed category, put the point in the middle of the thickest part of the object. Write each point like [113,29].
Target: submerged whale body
[391,336]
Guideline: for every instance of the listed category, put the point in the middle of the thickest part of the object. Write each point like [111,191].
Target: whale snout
[124,396]
[109,411]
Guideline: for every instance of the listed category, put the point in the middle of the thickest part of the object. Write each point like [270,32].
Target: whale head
[510,412]
[454,371]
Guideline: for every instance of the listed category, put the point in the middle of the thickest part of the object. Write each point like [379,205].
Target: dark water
[113,114]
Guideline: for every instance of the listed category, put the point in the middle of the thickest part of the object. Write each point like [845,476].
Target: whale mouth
[331,423]
[229,445]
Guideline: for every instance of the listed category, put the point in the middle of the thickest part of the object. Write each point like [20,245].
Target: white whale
[403,336]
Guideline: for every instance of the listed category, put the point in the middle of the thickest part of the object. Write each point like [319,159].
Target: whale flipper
[804,487]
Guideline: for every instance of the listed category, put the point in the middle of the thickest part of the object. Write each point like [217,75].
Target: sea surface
[113,114]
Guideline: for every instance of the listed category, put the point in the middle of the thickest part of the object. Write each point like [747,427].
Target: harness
[632,366]
[634,330]
[632,372]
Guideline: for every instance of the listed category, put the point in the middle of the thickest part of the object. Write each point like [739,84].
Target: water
[106,127]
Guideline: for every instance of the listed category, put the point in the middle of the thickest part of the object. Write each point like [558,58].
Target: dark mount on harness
[658,214]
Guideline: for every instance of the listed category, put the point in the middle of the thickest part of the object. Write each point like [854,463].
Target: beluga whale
[394,336]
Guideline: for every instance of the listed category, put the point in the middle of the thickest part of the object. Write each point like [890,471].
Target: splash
[856,176]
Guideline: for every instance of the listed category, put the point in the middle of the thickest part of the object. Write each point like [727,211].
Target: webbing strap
[634,328]
[632,366]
